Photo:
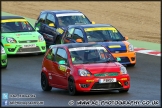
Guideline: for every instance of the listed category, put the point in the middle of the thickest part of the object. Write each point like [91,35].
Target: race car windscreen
[72,19]
[18,26]
[103,34]
[86,55]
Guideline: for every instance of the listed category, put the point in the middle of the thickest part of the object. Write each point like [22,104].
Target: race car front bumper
[18,49]
[91,84]
[126,58]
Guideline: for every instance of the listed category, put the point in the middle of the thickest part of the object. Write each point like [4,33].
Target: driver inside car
[75,57]
[61,22]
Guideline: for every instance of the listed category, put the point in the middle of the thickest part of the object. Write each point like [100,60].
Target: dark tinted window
[83,55]
[61,55]
[17,26]
[66,19]
[50,55]
[54,52]
[42,18]
[77,34]
[101,34]
[70,32]
[50,19]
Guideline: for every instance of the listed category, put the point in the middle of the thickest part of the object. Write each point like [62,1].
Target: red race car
[82,67]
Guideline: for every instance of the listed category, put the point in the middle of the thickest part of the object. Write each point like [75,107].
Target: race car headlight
[123,70]
[2,50]
[10,40]
[83,72]
[130,47]
[40,38]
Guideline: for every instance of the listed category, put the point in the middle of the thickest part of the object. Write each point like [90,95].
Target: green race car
[3,58]
[19,37]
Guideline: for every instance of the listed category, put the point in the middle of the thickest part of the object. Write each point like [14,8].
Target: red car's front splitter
[89,84]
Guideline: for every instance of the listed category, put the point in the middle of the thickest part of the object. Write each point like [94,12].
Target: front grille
[106,85]
[4,61]
[28,41]
[106,74]
[124,59]
[28,49]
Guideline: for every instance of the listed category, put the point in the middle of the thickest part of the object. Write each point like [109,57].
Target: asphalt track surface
[22,76]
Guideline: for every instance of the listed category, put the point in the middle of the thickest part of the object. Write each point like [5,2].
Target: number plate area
[107,80]
[29,46]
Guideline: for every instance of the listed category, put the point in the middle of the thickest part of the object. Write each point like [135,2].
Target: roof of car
[62,11]
[11,17]
[75,45]
[91,25]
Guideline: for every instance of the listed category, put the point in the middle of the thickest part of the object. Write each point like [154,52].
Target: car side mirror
[51,24]
[79,40]
[126,38]
[93,22]
[118,59]
[62,62]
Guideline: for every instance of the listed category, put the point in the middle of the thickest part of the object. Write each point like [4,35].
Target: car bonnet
[114,46]
[100,67]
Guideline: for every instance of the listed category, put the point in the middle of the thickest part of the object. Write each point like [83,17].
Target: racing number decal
[60,30]
[62,68]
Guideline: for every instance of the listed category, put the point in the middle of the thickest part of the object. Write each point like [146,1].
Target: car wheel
[123,91]
[44,83]
[4,67]
[131,65]
[71,86]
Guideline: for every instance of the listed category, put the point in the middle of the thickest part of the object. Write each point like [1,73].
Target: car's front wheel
[71,86]
[44,83]
[4,67]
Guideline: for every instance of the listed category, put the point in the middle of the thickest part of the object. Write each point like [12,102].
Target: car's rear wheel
[44,83]
[123,91]
[71,86]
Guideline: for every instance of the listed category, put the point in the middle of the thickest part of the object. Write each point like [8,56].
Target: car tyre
[44,83]
[123,91]
[71,86]
[4,67]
